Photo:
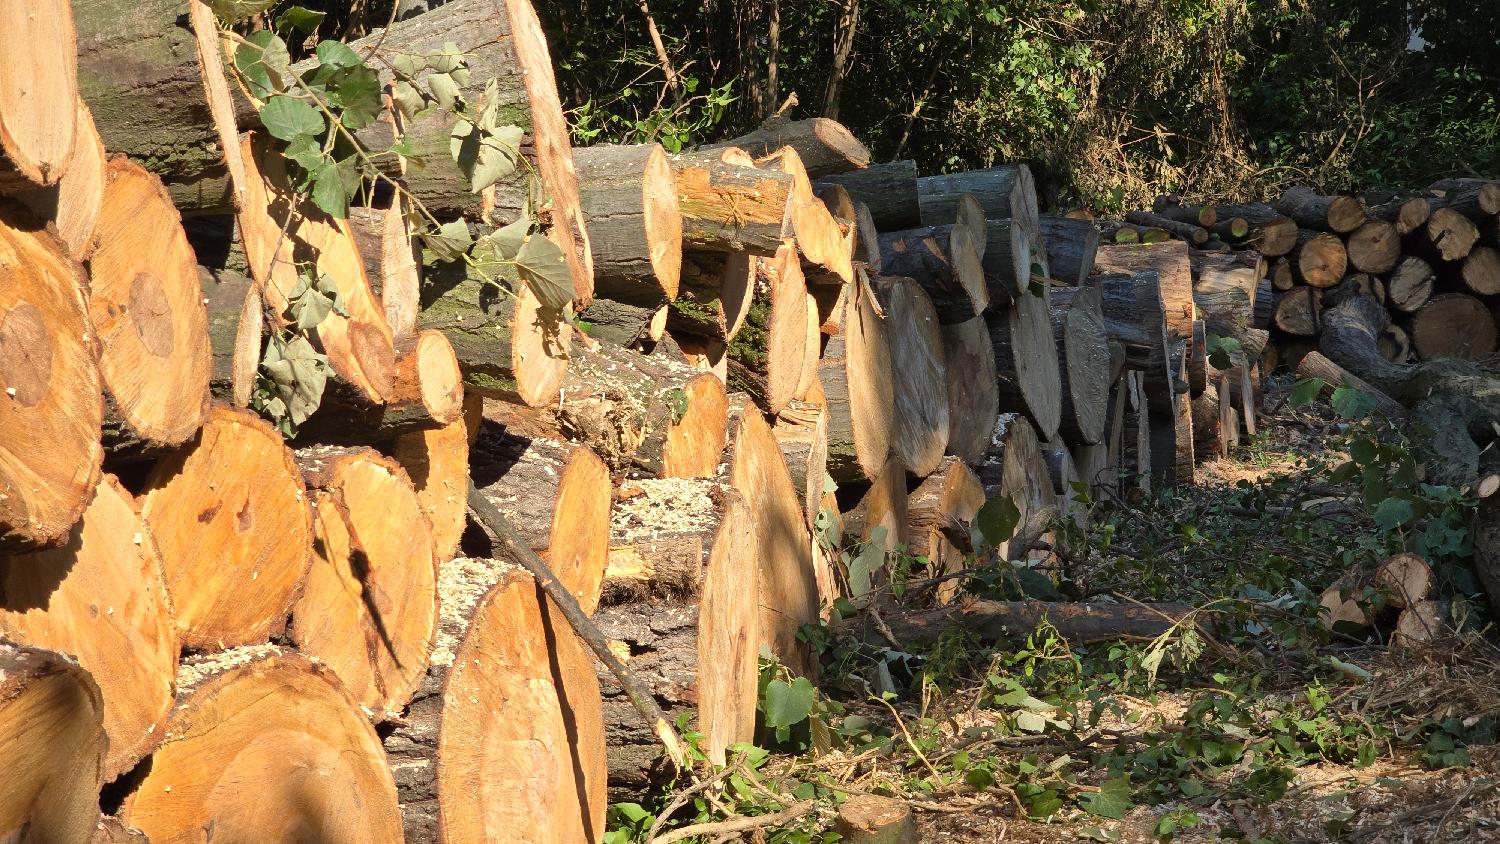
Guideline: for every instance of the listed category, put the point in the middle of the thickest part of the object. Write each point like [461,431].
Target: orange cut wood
[38,86]
[437,461]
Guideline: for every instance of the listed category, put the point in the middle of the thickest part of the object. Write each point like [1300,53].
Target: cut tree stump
[101,599]
[887,189]
[51,731]
[825,146]
[73,203]
[322,775]
[938,512]
[766,358]
[368,608]
[1405,579]
[857,380]
[728,204]
[920,433]
[1077,315]
[236,491]
[973,388]
[946,261]
[51,407]
[629,200]
[866,819]
[1422,623]
[38,86]
[1030,377]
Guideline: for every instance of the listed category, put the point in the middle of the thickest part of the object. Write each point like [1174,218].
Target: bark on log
[629,200]
[1005,192]
[1030,377]
[1394,343]
[1174,271]
[1173,208]
[825,146]
[51,407]
[437,462]
[237,491]
[1453,325]
[1407,215]
[368,608]
[323,776]
[1194,234]
[945,261]
[1271,233]
[1078,328]
[856,375]
[823,242]
[1013,621]
[51,729]
[766,358]
[728,206]
[1473,198]
[72,204]
[1337,214]
[715,295]
[101,599]
[888,189]
[38,88]
[973,388]
[1010,259]
[1224,290]
[1410,285]
[920,433]
[1071,248]
[111,830]
[1374,247]
[938,511]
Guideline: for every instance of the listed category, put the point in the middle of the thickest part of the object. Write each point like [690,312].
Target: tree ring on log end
[25,354]
[151,314]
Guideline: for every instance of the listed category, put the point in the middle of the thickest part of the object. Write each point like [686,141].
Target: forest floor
[1259,725]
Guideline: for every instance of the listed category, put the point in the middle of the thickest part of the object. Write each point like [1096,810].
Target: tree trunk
[322,776]
[939,511]
[72,204]
[825,146]
[1083,351]
[1374,247]
[1272,234]
[1410,285]
[368,608]
[237,491]
[890,191]
[1071,248]
[437,462]
[427,392]
[945,261]
[51,411]
[921,416]
[855,371]
[1453,325]
[973,388]
[766,358]
[715,296]
[629,201]
[1337,214]
[1005,192]
[1030,377]
[727,205]
[51,725]
[101,599]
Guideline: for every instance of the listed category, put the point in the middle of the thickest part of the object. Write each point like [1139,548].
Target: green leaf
[1394,512]
[328,191]
[287,118]
[871,559]
[357,91]
[306,151]
[408,99]
[1112,800]
[234,11]
[299,19]
[444,89]
[337,54]
[543,268]
[1352,404]
[450,241]
[1306,391]
[788,704]
[265,63]
[997,520]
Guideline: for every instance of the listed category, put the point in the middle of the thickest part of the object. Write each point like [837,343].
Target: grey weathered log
[1312,210]
[1071,247]
[889,189]
[1005,192]
[1084,362]
[1026,361]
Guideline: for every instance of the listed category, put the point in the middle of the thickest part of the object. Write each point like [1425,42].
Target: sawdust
[196,669]
[666,506]
[462,582]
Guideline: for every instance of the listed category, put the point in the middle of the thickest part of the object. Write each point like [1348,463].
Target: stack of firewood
[190,602]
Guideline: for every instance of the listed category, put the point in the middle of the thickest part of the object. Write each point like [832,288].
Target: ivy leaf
[337,54]
[788,704]
[357,90]
[1306,391]
[328,191]
[265,63]
[409,64]
[997,520]
[1112,800]
[1352,404]
[409,101]
[543,268]
[446,60]
[444,89]
[300,20]
[286,118]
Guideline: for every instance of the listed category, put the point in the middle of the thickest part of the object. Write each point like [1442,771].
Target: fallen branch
[736,825]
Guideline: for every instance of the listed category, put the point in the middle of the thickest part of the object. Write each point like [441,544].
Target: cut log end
[38,87]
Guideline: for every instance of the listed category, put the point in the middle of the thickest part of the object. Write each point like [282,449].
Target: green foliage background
[1109,102]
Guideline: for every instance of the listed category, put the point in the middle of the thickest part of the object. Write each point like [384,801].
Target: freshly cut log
[973,388]
[51,408]
[1009,261]
[767,357]
[1453,325]
[1130,233]
[236,322]
[1374,247]
[1272,234]
[879,518]
[73,203]
[100,599]
[323,775]
[789,583]
[920,434]
[277,225]
[392,262]
[1224,289]
[1481,271]
[1082,340]
[1473,198]
[1190,232]
[1405,579]
[51,730]
[1071,248]
[147,308]
[681,596]
[506,346]
[1174,270]
[728,206]
[825,146]
[1298,312]
[368,608]
[802,433]
[1005,192]
[1316,365]
[629,201]
[498,641]
[1410,285]
[237,491]
[1173,208]
[1232,230]
[938,512]
[715,295]
[1319,259]
[1407,215]
[1030,376]
[427,392]
[1421,623]
[38,86]
[822,241]
[888,189]
[856,375]
[437,462]
[1311,210]
[1447,235]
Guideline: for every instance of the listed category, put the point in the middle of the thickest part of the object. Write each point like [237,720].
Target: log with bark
[868,819]
[1271,233]
[715,295]
[1026,360]
[1173,208]
[1013,621]
[1319,259]
[235,490]
[921,416]
[938,513]
[51,407]
[973,388]
[1083,352]
[1374,247]
[857,380]
[1014,468]
[1480,271]
[437,462]
[801,431]
[825,146]
[767,358]
[945,261]
[728,204]
[51,729]
[888,189]
[1299,312]
[100,598]
[1071,248]
[629,199]
[1224,290]
[1474,198]
[1190,232]
[1010,259]
[72,204]
[427,392]
[1407,215]
[1005,192]
[681,596]
[1174,270]
[1311,210]
[323,775]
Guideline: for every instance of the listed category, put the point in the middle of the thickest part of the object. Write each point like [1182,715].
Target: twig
[737,825]
[490,517]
